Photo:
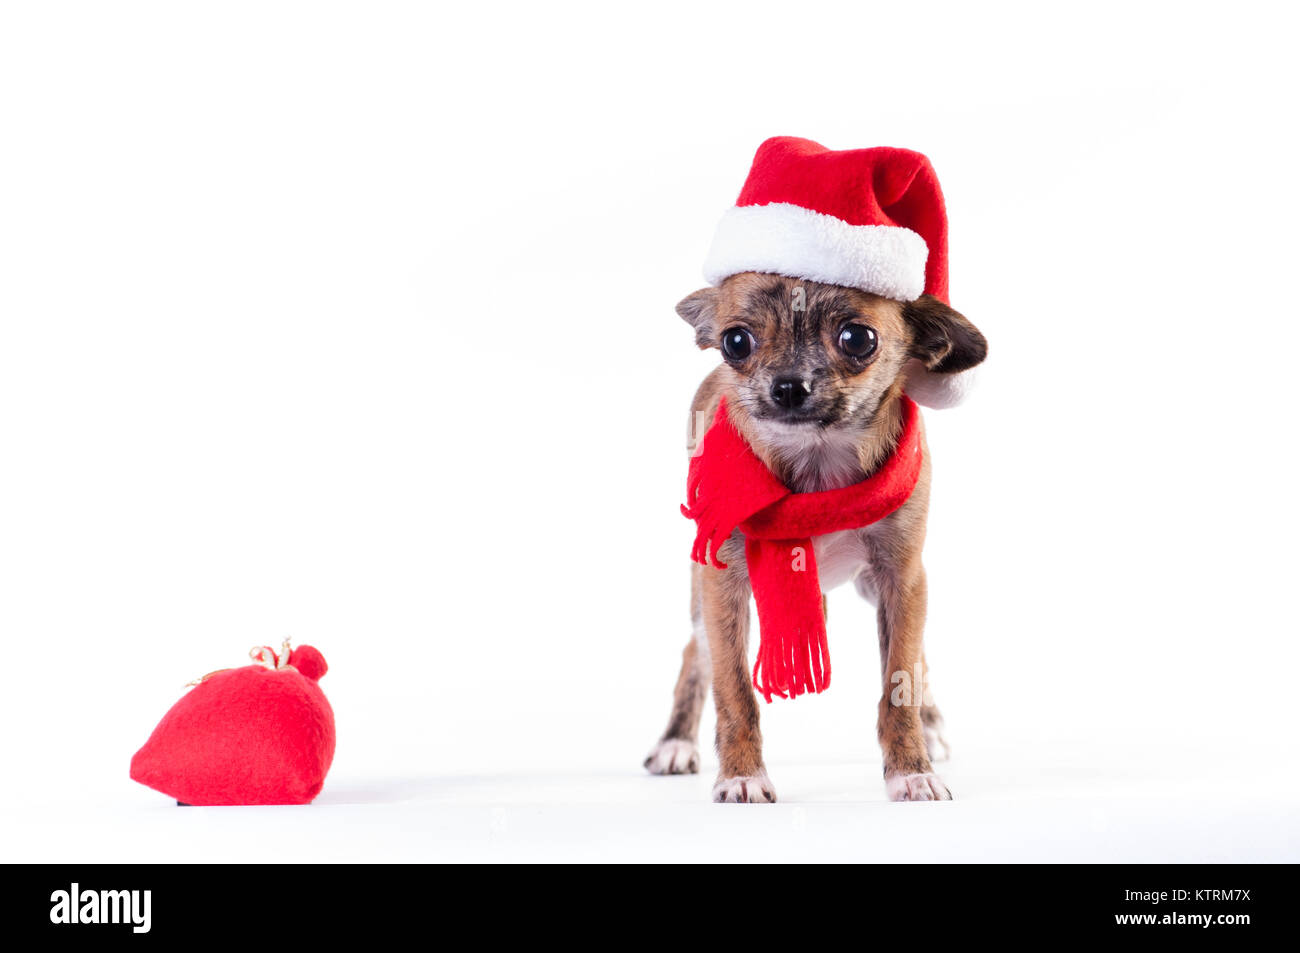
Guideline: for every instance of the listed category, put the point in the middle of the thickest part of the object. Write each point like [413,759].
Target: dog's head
[807,354]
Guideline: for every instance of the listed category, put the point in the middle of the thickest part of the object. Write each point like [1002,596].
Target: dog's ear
[700,309]
[943,340]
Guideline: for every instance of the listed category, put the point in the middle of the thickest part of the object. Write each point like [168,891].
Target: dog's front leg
[900,616]
[742,778]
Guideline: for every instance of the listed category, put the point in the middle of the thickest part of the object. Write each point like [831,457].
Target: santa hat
[871,219]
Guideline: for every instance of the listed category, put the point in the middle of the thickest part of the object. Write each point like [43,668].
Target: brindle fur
[858,416]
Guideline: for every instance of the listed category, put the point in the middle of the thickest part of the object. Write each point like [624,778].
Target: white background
[354,323]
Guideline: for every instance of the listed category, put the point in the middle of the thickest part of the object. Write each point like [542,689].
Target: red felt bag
[261,734]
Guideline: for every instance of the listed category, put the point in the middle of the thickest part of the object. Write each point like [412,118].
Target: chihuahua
[815,374]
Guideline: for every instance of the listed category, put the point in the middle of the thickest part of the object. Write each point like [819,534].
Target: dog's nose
[790,392]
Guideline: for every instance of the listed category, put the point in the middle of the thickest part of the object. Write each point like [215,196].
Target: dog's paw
[674,756]
[916,787]
[750,789]
[936,745]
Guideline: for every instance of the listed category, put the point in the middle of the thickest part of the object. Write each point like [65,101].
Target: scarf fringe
[793,664]
[793,656]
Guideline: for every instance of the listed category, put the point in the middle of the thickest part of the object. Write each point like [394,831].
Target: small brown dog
[816,389]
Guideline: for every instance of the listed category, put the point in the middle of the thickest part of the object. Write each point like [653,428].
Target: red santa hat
[872,219]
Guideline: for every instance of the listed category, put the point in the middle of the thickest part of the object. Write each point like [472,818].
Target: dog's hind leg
[678,751]
[932,722]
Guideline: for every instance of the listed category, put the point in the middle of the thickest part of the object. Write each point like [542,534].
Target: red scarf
[729,486]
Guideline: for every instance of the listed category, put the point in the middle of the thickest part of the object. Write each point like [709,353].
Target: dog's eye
[737,344]
[857,340]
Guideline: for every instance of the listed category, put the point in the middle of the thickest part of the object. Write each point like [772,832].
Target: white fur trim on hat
[785,239]
[938,391]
